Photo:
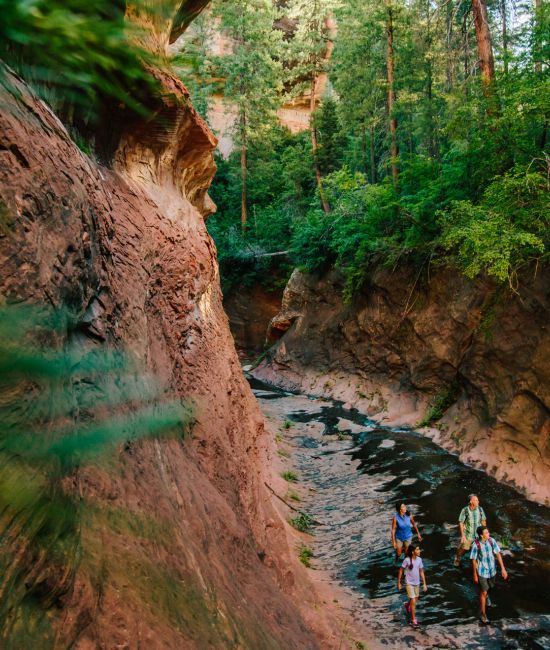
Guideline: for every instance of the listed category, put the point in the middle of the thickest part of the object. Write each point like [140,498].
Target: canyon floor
[345,472]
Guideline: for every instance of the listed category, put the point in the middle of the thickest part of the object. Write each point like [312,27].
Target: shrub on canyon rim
[507,229]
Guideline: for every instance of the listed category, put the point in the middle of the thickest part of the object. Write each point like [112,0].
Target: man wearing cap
[471,517]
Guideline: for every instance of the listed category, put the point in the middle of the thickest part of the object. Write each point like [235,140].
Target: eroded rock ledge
[413,344]
[198,556]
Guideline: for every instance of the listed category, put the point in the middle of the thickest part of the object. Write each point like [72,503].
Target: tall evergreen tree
[484,46]
[193,62]
[361,87]
[391,95]
[311,46]
[252,74]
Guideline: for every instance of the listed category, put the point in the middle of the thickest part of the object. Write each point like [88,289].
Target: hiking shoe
[484,620]
[414,622]
[456,562]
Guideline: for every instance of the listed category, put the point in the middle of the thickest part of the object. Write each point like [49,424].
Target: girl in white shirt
[414,571]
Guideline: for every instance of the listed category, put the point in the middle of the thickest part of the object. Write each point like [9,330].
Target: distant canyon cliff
[295,114]
[467,359]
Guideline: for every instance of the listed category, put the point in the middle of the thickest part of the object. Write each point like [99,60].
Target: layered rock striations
[432,348]
[180,546]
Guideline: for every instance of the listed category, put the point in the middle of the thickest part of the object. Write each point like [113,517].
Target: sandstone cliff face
[127,250]
[412,345]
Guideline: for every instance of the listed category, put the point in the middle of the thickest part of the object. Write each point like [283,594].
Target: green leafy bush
[440,403]
[290,477]
[508,228]
[303,522]
[305,554]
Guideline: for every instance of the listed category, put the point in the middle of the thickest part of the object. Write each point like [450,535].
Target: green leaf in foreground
[61,406]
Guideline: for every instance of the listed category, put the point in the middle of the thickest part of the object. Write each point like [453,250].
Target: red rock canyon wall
[410,340]
[127,249]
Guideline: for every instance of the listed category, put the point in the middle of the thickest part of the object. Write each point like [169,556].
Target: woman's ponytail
[410,551]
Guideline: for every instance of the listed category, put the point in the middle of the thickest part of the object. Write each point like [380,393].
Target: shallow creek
[351,471]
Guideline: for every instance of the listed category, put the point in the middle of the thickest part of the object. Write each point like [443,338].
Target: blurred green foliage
[79,55]
[62,405]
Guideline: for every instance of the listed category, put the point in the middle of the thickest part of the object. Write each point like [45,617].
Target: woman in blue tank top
[402,529]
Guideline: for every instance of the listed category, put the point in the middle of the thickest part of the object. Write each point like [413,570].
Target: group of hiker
[474,538]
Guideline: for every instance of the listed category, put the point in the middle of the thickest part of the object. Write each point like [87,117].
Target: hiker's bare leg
[398,550]
[412,602]
[482,602]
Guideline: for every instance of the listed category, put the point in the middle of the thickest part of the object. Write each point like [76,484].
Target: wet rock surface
[349,478]
[430,345]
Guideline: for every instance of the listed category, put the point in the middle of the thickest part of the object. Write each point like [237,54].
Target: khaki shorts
[467,545]
[486,583]
[413,591]
[402,543]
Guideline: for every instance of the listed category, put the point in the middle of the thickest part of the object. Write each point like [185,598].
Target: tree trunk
[315,147]
[504,35]
[390,68]
[450,55]
[538,37]
[244,170]
[372,156]
[484,47]
[466,46]
[364,149]
[433,144]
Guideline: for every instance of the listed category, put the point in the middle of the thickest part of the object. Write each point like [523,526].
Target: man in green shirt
[471,516]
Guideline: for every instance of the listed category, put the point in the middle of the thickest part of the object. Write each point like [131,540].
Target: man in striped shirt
[471,516]
[483,555]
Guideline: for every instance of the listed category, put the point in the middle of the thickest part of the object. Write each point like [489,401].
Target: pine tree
[330,138]
[358,76]
[311,46]
[252,74]
[193,62]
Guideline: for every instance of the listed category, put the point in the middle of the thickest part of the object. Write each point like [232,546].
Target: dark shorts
[486,583]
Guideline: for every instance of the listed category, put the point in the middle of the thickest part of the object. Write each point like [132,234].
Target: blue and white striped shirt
[486,564]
